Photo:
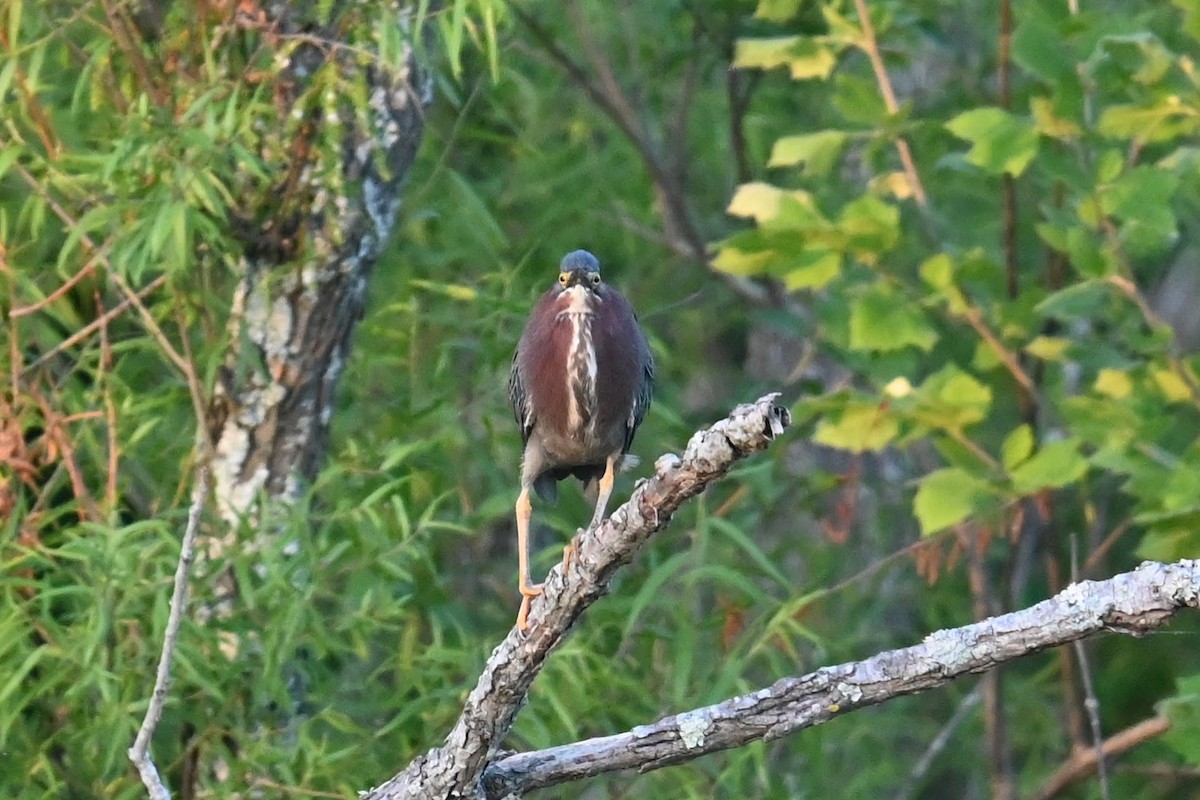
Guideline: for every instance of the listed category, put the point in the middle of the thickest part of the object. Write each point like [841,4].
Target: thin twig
[152,326]
[87,269]
[91,327]
[139,753]
[14,333]
[939,742]
[740,90]
[1130,289]
[1082,762]
[871,47]
[606,92]
[677,128]
[1006,356]
[1096,556]
[130,295]
[879,564]
[992,684]
[1072,714]
[1091,703]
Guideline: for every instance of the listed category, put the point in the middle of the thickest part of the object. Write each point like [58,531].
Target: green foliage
[929,394]
[1183,711]
[1099,201]
[1001,143]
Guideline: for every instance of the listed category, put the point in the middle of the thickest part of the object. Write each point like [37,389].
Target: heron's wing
[643,394]
[518,397]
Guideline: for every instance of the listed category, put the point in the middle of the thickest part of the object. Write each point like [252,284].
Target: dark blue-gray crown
[579,260]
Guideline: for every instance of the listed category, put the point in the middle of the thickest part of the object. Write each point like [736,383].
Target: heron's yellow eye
[563,277]
[595,279]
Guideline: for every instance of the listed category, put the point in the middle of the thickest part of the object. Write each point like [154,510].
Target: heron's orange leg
[606,487]
[528,590]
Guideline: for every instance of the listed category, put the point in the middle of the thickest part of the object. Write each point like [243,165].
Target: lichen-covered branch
[1134,603]
[455,768]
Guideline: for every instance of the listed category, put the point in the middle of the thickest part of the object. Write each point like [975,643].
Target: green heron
[580,385]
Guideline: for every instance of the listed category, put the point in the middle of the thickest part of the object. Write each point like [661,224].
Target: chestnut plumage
[581,382]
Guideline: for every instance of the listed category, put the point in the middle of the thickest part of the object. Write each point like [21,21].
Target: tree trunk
[310,247]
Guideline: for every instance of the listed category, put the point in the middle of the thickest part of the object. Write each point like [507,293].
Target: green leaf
[817,151]
[1017,446]
[9,153]
[751,549]
[739,262]
[811,269]
[1078,301]
[1038,47]
[1172,386]
[881,320]
[758,201]
[1180,540]
[777,10]
[871,227]
[938,271]
[1183,710]
[452,29]
[804,56]
[1191,26]
[1158,121]
[1141,56]
[1141,198]
[858,428]
[1000,142]
[947,497]
[1088,256]
[1048,122]
[1055,465]
[1114,383]
[1049,348]
[954,398]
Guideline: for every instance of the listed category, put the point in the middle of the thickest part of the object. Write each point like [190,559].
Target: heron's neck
[581,370]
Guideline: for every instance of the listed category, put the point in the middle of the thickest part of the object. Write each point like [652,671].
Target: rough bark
[1134,603]
[311,244]
[470,764]
[455,769]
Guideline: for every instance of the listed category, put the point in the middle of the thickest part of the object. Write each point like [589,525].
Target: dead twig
[1090,702]
[940,741]
[1082,762]
[870,46]
[139,753]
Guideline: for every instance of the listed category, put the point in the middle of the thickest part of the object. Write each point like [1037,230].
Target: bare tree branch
[1134,603]
[139,754]
[455,768]
[1083,760]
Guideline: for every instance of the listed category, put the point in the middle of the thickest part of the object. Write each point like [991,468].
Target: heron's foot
[569,550]
[528,592]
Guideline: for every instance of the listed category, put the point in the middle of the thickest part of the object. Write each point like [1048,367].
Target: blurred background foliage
[970,269]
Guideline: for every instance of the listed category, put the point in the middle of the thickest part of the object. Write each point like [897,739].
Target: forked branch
[455,769]
[470,764]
